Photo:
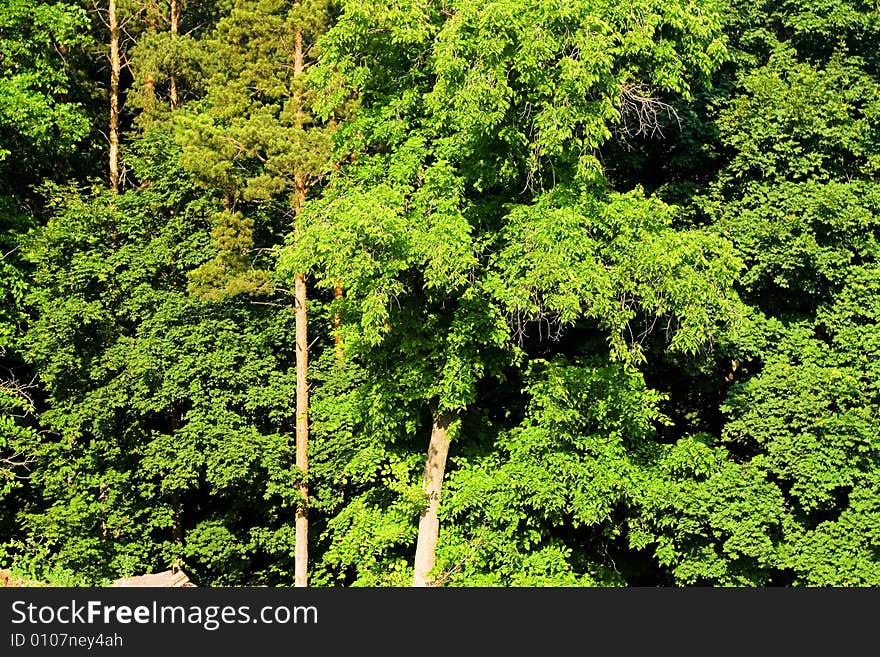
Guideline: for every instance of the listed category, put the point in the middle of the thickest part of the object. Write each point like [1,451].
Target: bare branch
[641,112]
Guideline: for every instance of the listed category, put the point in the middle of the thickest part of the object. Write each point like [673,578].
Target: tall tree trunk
[102,498]
[172,78]
[176,502]
[301,546]
[432,482]
[338,293]
[115,69]
[152,18]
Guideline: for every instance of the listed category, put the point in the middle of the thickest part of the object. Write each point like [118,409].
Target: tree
[616,264]
[797,197]
[115,69]
[257,141]
[43,124]
[475,209]
[40,117]
[164,409]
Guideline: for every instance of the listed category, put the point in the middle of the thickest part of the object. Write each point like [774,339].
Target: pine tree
[258,141]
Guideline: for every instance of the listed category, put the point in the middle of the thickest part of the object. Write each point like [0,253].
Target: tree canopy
[474,293]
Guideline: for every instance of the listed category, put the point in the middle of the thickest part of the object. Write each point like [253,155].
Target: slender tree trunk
[172,78]
[102,498]
[432,482]
[176,519]
[301,547]
[150,91]
[176,502]
[115,69]
[152,16]
[338,293]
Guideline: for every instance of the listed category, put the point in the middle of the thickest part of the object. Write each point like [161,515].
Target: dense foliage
[621,258]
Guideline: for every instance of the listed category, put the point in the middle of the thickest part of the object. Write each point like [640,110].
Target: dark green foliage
[43,125]
[451,260]
[37,121]
[798,199]
[630,249]
[544,505]
[253,137]
[163,406]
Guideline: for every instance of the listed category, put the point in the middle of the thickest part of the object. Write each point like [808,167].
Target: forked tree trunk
[115,69]
[432,482]
[301,541]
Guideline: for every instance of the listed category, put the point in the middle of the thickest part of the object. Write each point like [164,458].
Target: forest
[459,293]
